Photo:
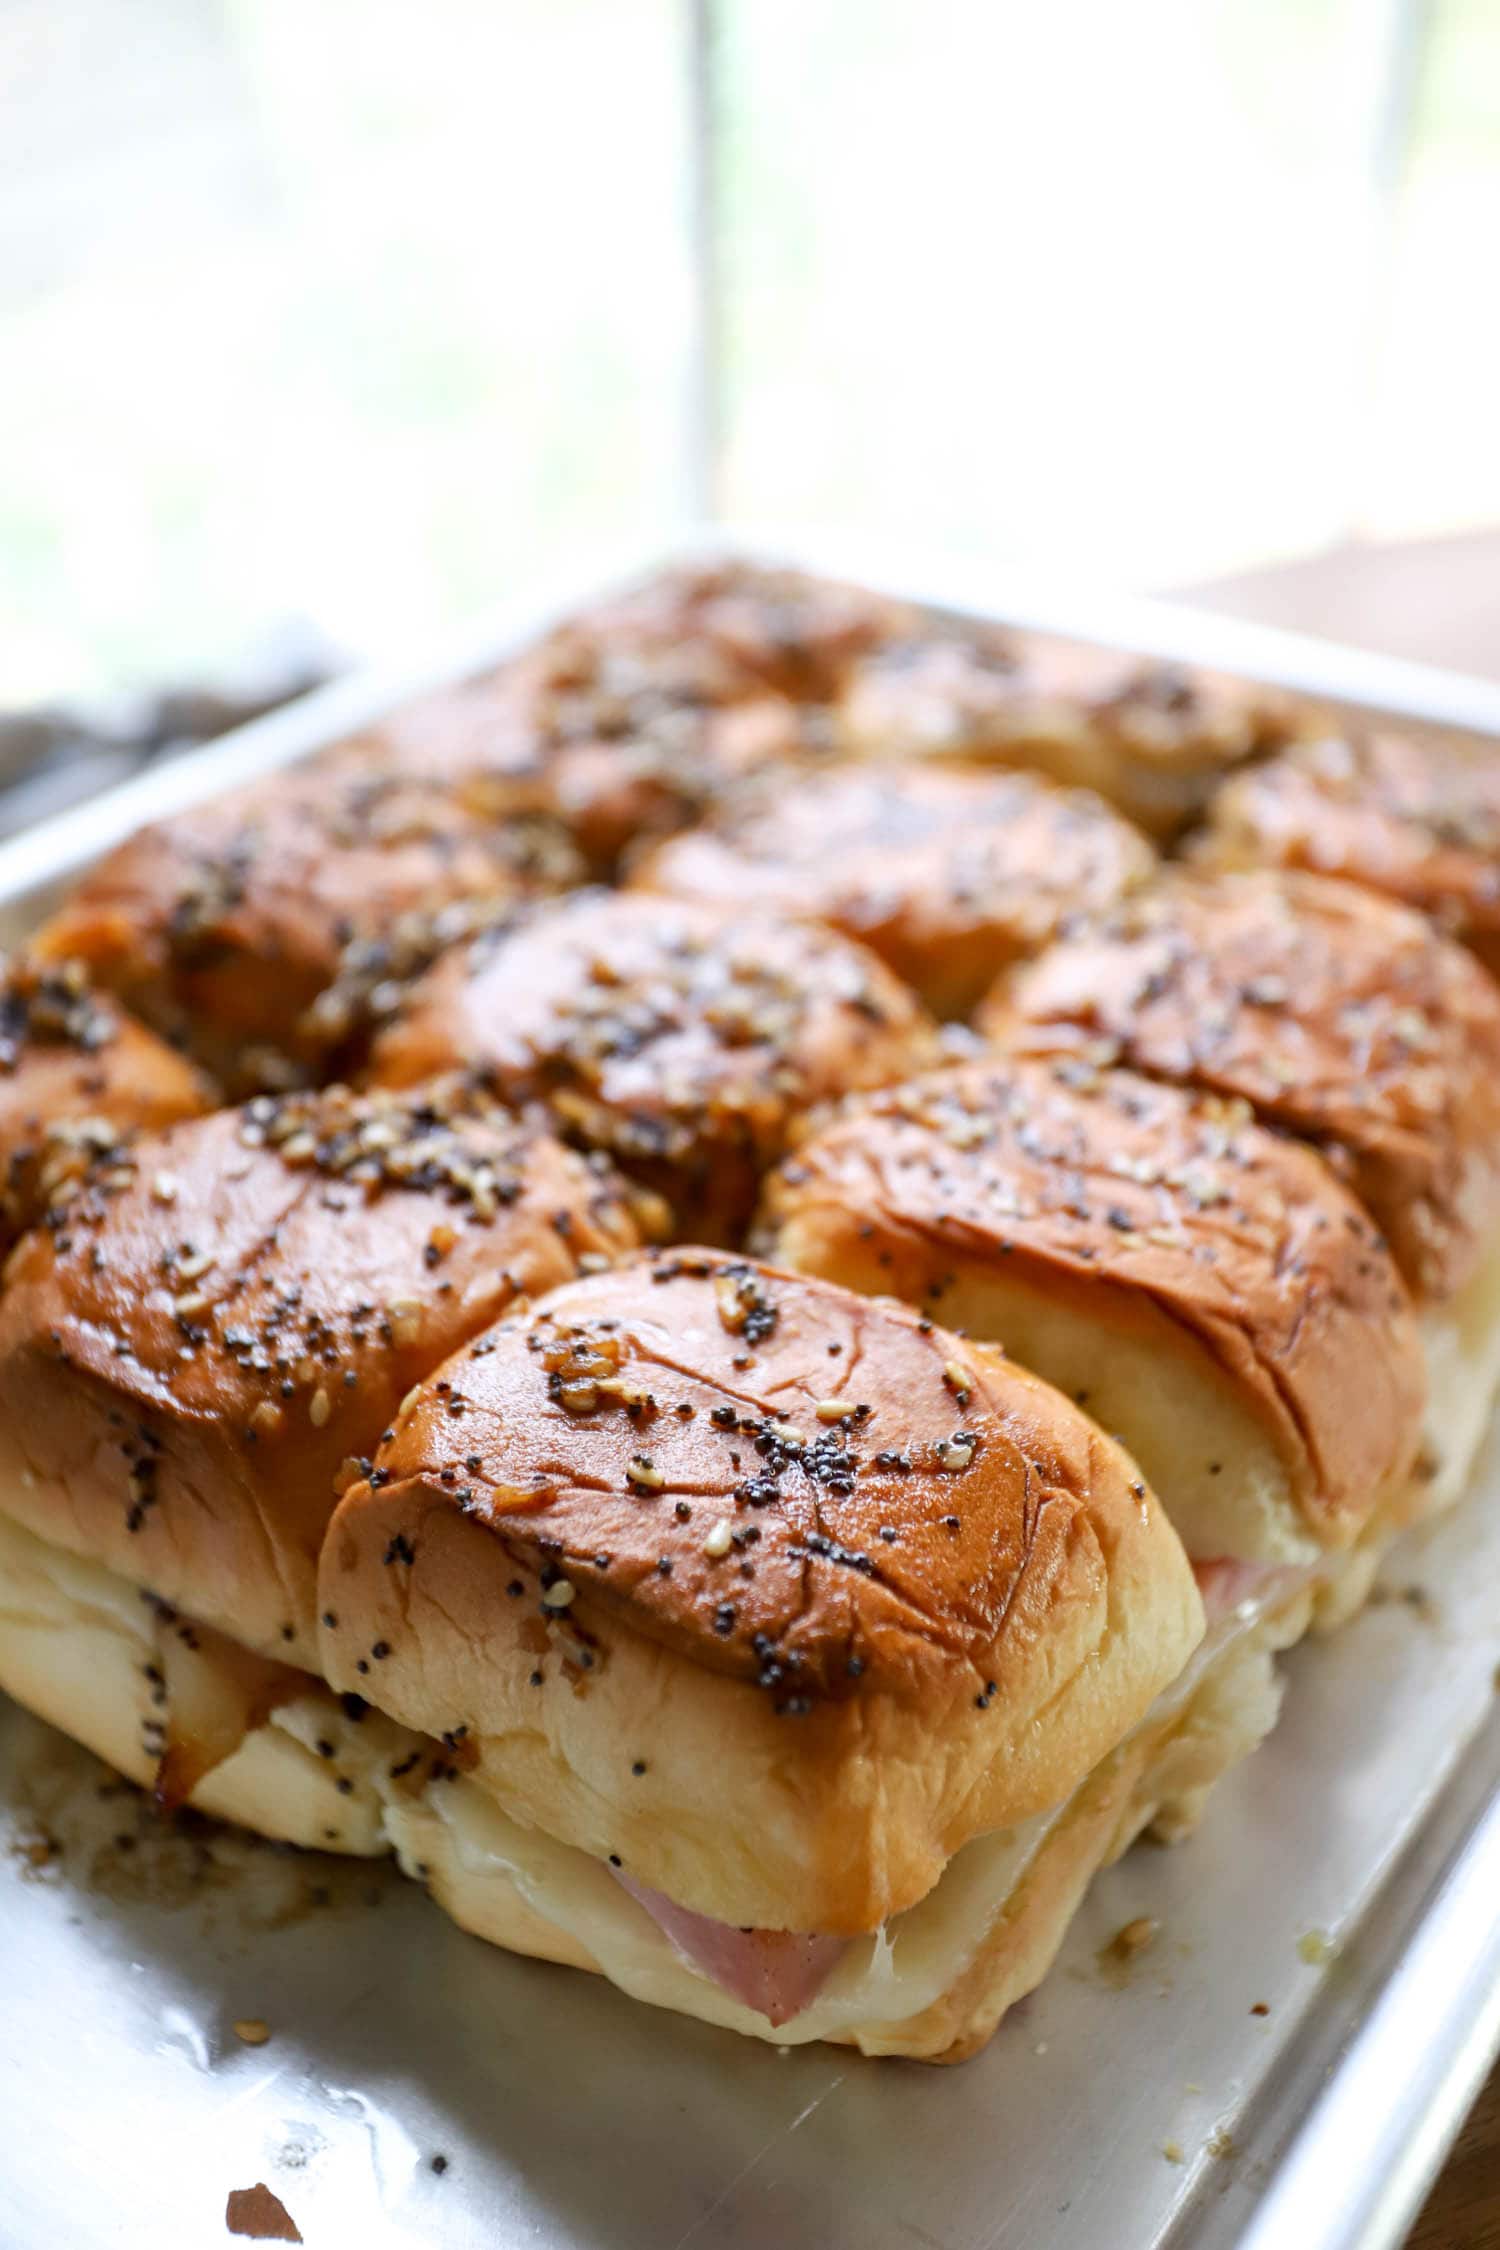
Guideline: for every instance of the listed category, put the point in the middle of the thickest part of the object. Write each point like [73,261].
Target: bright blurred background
[325,322]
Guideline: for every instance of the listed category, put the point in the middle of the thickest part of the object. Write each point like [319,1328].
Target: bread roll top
[78,1076]
[227,1319]
[1075,1210]
[686,1040]
[947,875]
[1416,819]
[1335,1014]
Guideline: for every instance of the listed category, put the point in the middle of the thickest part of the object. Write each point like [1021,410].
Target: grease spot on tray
[70,1821]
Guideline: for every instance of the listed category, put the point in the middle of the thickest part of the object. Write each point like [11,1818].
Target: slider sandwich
[800,1663]
[1337,1016]
[1418,819]
[630,718]
[78,1077]
[1155,739]
[948,875]
[200,1351]
[685,1040]
[1206,1288]
[251,929]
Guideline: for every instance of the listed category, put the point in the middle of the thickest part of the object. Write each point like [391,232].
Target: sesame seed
[643,1473]
[559,1594]
[719,1540]
[266,1417]
[319,1407]
[830,1410]
[253,2030]
[164,1188]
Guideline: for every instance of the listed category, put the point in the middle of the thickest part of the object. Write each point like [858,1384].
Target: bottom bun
[83,1649]
[935,1982]
[1462,1340]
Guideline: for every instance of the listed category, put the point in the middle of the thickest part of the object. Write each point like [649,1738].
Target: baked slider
[1416,819]
[685,1040]
[191,1365]
[1206,1288]
[1338,1016]
[627,720]
[799,1663]
[224,926]
[78,1077]
[1155,739]
[948,876]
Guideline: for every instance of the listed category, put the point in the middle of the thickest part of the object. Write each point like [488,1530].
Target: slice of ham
[1225,1582]
[778,1973]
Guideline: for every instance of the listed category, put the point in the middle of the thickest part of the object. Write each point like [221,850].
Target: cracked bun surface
[1335,1014]
[949,876]
[1416,819]
[78,1076]
[778,1592]
[227,1321]
[686,1040]
[1206,1288]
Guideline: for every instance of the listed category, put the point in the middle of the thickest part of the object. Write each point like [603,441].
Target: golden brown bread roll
[1154,739]
[228,1319]
[1418,820]
[948,876]
[1206,1288]
[627,720]
[223,926]
[793,634]
[1335,1014]
[684,1039]
[77,1077]
[767,1600]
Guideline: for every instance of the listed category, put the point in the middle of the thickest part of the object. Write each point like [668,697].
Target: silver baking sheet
[1283,2066]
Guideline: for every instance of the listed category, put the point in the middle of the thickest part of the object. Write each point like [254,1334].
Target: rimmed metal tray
[1283,2067]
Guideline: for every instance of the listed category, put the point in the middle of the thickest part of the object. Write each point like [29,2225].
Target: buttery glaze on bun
[225,1322]
[1418,820]
[1206,1288]
[1335,1014]
[224,926]
[77,1077]
[775,1593]
[1152,738]
[686,1040]
[948,876]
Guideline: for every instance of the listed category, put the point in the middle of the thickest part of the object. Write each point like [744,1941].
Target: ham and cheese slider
[1154,739]
[1207,1289]
[1338,1016]
[802,1661]
[1416,819]
[192,1363]
[629,719]
[251,929]
[948,876]
[685,1040]
[78,1077]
